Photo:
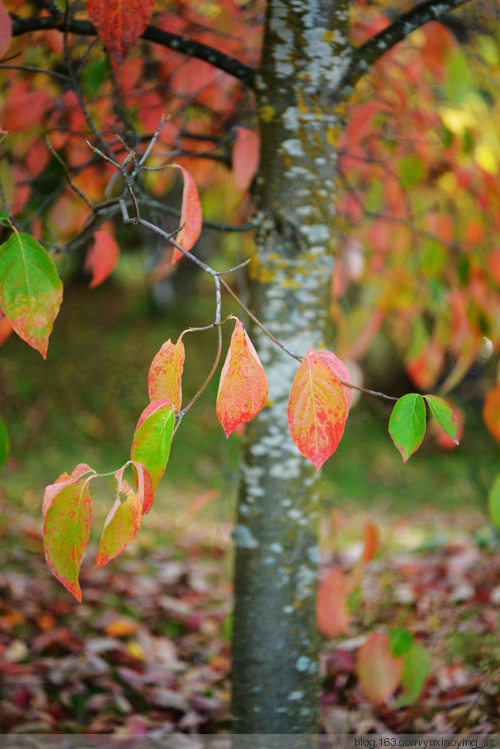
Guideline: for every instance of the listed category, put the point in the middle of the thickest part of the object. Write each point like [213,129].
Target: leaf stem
[259,324]
[193,400]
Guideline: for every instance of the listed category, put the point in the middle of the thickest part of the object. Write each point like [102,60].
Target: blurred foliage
[82,404]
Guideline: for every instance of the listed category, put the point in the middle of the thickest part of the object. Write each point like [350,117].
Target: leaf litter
[147,653]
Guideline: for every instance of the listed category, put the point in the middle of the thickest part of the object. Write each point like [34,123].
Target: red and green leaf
[52,490]
[30,289]
[191,215]
[317,410]
[120,23]
[102,257]
[378,670]
[243,385]
[66,528]
[153,437]
[165,373]
[444,415]
[407,424]
[122,523]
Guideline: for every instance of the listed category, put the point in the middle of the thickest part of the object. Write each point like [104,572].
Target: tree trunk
[275,653]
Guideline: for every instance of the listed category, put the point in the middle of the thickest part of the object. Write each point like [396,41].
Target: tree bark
[275,654]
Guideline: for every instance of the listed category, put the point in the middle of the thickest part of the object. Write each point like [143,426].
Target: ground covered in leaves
[148,650]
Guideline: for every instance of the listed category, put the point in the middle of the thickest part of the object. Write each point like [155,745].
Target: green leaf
[30,289]
[494,502]
[4,443]
[153,437]
[458,79]
[400,641]
[407,424]
[4,219]
[444,415]
[66,530]
[411,170]
[416,670]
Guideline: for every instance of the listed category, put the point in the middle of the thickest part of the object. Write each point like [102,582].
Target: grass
[82,404]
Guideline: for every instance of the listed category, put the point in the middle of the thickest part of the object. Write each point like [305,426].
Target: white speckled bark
[275,656]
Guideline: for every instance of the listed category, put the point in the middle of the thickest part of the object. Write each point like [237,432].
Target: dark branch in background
[372,50]
[182,44]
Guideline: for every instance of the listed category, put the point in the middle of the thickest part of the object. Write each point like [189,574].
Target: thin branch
[31,69]
[162,208]
[182,44]
[367,55]
[259,324]
[68,176]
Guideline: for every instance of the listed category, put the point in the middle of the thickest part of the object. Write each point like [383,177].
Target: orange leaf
[340,370]
[379,672]
[102,257]
[121,627]
[372,539]
[164,379]
[191,217]
[120,23]
[491,411]
[317,410]
[243,384]
[332,613]
[5,30]
[245,157]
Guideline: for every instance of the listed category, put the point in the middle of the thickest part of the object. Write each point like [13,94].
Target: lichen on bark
[275,654]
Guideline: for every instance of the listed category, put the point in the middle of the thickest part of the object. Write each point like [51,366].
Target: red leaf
[332,613]
[5,30]
[340,370]
[491,411]
[68,511]
[165,373]
[245,157]
[361,119]
[243,384]
[317,410]
[144,486]
[191,217]
[102,257]
[425,368]
[120,23]
[379,672]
